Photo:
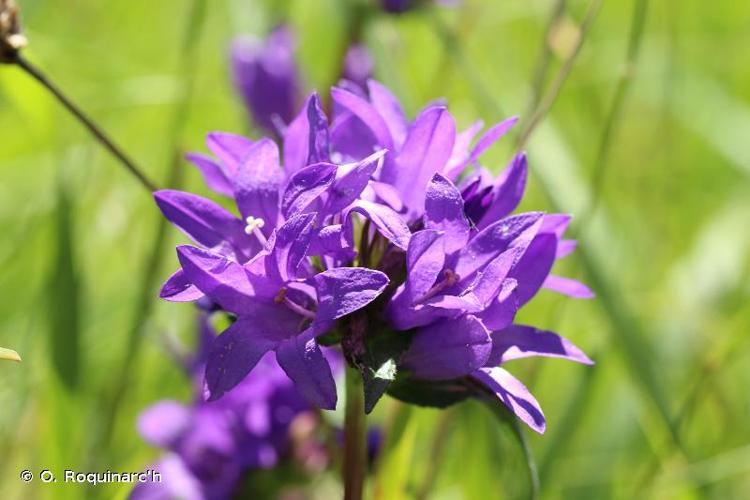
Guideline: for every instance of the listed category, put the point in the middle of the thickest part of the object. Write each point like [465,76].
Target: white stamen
[253,224]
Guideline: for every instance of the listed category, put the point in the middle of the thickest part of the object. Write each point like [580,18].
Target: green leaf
[505,416]
[436,394]
[379,363]
[64,297]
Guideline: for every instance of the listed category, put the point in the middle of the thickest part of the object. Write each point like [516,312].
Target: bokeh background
[646,143]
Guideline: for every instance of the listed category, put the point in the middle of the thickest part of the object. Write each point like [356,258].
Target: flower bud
[11,39]
[265,75]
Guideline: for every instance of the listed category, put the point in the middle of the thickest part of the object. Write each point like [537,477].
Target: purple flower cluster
[210,445]
[441,262]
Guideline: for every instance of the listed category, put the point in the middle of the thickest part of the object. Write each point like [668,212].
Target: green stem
[87,122]
[549,98]
[355,442]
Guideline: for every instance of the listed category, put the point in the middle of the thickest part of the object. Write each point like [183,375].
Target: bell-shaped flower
[281,306]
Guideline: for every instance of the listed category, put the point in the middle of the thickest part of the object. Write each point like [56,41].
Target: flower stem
[355,451]
[87,122]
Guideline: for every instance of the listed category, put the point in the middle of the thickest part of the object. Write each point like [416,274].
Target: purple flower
[210,445]
[358,66]
[466,279]
[281,306]
[444,264]
[265,75]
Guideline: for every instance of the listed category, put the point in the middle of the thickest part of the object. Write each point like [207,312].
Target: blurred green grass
[670,236]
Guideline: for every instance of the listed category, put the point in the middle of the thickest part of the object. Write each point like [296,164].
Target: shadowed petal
[257,182]
[346,289]
[178,288]
[515,231]
[333,241]
[519,341]
[351,181]
[390,109]
[444,211]
[507,192]
[201,219]
[568,286]
[223,280]
[304,363]
[502,311]
[239,348]
[425,259]
[212,174]
[367,113]
[489,281]
[229,148]
[306,187]
[290,246]
[425,152]
[514,395]
[448,349]
[306,138]
[534,266]
[385,219]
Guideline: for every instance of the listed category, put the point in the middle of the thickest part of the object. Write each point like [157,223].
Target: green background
[647,146]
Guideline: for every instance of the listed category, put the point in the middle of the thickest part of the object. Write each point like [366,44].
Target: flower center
[450,278]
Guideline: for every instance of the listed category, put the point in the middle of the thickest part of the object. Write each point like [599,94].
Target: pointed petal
[491,136]
[448,349]
[237,350]
[385,219]
[534,266]
[565,248]
[425,152]
[344,290]
[257,183]
[229,149]
[519,341]
[444,211]
[489,281]
[555,224]
[388,194]
[367,113]
[212,174]
[302,360]
[568,286]
[205,222]
[514,395]
[306,187]
[306,138]
[507,193]
[390,109]
[502,311]
[178,288]
[460,154]
[223,280]
[425,259]
[351,181]
[515,231]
